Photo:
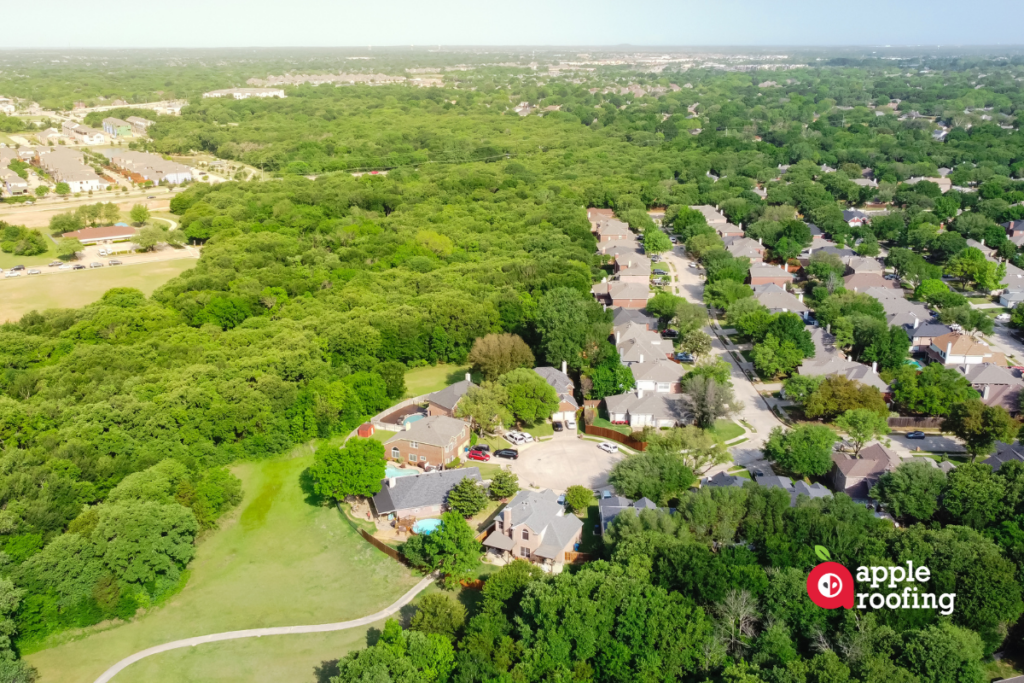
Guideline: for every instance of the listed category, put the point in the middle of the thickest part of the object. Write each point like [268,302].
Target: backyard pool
[391,471]
[426,526]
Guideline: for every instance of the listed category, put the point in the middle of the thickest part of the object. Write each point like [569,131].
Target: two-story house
[763,274]
[421,495]
[535,527]
[433,441]
[660,376]
[957,348]
[855,476]
[444,401]
[622,294]
[560,381]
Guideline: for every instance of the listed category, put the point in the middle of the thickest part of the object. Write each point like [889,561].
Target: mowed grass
[431,378]
[278,560]
[77,288]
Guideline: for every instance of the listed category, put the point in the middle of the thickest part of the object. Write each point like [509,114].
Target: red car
[478,455]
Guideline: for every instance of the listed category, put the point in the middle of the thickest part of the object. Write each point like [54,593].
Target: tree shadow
[459,375]
[373,636]
[327,670]
[405,615]
[306,484]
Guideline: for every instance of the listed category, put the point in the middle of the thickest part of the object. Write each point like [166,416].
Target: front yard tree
[862,425]
[67,247]
[139,214]
[496,354]
[911,491]
[659,476]
[806,450]
[696,343]
[708,400]
[63,189]
[530,398]
[577,498]
[656,242]
[773,357]
[484,406]
[980,426]
[148,237]
[42,191]
[504,484]
[467,498]
[356,469]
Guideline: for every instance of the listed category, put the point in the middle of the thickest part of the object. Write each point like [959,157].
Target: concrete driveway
[562,462]
[937,443]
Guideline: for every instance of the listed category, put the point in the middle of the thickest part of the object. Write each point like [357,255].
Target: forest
[313,296]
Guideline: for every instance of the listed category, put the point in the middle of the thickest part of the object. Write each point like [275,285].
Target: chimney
[506,520]
[828,328]
[392,481]
[916,323]
[982,241]
[800,297]
[760,242]
[641,358]
[565,369]
[639,393]
[984,393]
[618,336]
[408,426]
[949,349]
[469,378]
[854,290]
[874,367]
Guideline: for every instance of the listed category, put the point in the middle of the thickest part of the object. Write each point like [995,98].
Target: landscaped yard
[277,560]
[622,429]
[430,378]
[726,430]
[980,299]
[543,429]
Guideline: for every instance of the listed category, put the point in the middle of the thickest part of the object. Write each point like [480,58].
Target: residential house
[636,269]
[535,527]
[246,93]
[763,274]
[1014,231]
[922,334]
[863,281]
[883,293]
[794,489]
[562,383]
[612,230]
[641,409]
[829,247]
[637,344]
[143,166]
[711,215]
[85,135]
[626,249]
[67,166]
[622,316]
[104,235]
[1014,278]
[855,217]
[433,441]
[1005,452]
[13,183]
[997,384]
[863,182]
[445,401]
[611,506]
[989,252]
[828,360]
[624,294]
[50,136]
[598,215]
[816,233]
[741,247]
[658,376]
[778,300]
[420,495]
[139,125]
[957,348]
[116,128]
[856,265]
[856,476]
[1010,297]
[900,312]
[945,184]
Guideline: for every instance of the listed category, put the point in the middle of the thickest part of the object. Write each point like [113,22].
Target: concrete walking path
[272,631]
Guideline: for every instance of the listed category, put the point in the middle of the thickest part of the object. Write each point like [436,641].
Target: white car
[513,438]
[13,273]
[570,423]
[608,447]
[102,252]
[1003,317]
[66,266]
[34,271]
[527,438]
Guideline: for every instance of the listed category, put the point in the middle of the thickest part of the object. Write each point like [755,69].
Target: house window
[526,534]
[663,386]
[524,552]
[497,525]
[395,453]
[423,458]
[413,444]
[412,457]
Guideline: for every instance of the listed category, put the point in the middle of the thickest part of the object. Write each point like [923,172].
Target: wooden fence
[615,436]
[916,422]
[474,585]
[383,547]
[577,558]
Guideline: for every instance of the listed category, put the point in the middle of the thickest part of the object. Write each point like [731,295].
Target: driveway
[938,443]
[562,462]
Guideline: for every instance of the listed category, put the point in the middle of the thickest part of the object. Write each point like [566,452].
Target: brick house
[421,495]
[445,401]
[613,231]
[560,381]
[770,275]
[622,294]
[433,441]
[856,476]
[955,348]
[534,527]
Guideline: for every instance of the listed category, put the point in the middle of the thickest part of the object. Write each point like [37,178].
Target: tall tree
[806,450]
[980,426]
[911,491]
[530,398]
[467,498]
[862,425]
[356,469]
[496,354]
[139,214]
[708,400]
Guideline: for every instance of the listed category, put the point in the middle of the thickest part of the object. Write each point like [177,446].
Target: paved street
[562,462]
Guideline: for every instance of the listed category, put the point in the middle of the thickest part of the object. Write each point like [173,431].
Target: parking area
[562,462]
[933,443]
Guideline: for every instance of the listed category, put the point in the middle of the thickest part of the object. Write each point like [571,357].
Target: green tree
[496,354]
[708,400]
[142,541]
[41,191]
[65,222]
[571,325]
[63,189]
[971,495]
[980,426]
[862,425]
[393,373]
[67,247]
[932,391]
[454,549]
[724,293]
[355,469]
[773,358]
[148,237]
[943,653]
[697,343]
[911,491]
[139,214]
[530,398]
[110,213]
[467,497]
[837,394]
[659,476]
[656,242]
[504,484]
[484,405]
[806,450]
[439,613]
[799,388]
[578,498]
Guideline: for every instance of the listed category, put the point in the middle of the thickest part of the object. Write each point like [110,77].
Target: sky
[344,23]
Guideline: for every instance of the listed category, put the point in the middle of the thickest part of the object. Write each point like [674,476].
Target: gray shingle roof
[621,316]
[775,298]
[437,430]
[421,490]
[658,406]
[450,396]
[540,511]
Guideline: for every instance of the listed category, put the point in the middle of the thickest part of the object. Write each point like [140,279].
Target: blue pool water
[426,526]
[390,471]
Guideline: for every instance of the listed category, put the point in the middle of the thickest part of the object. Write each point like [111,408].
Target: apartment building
[143,166]
[68,166]
[246,93]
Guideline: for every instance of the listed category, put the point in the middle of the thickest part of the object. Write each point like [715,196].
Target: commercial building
[246,93]
[111,233]
[143,166]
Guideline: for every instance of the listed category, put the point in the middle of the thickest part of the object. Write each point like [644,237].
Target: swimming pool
[426,526]
[390,471]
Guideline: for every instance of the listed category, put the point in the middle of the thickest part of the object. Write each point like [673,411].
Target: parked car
[669,333]
[509,453]
[55,264]
[12,274]
[915,435]
[114,262]
[151,197]
[561,499]
[514,438]
[557,426]
[608,447]
[1003,317]
[478,455]
[570,424]
[481,447]
[95,264]
[78,266]
[673,239]
[659,281]
[102,252]
[656,258]
[890,276]
[659,271]
[65,266]
[18,268]
[34,271]
[684,357]
[693,265]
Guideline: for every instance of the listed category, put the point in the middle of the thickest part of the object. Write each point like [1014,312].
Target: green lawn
[622,429]
[430,378]
[8,260]
[726,430]
[278,560]
[74,289]
[980,299]
[993,312]
[543,429]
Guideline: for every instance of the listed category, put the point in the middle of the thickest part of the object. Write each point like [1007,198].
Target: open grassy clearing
[430,378]
[278,560]
[73,289]
[39,260]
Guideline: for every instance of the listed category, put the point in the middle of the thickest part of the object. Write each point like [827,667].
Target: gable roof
[761,270]
[421,490]
[860,281]
[926,330]
[621,316]
[773,297]
[436,430]
[540,512]
[883,293]
[1005,452]
[639,349]
[658,406]
[959,344]
[450,396]
[873,460]
[611,507]
[612,228]
[660,370]
[711,214]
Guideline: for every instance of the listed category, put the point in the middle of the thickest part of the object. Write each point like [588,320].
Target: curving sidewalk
[272,631]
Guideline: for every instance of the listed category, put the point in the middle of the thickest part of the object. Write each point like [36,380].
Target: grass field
[430,378]
[278,560]
[726,430]
[18,296]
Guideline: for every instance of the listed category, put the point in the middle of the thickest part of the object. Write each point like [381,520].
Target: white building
[246,93]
